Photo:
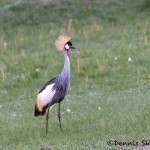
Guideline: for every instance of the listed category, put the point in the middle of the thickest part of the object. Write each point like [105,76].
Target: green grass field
[109,97]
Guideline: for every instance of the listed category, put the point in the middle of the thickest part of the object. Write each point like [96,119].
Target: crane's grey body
[54,90]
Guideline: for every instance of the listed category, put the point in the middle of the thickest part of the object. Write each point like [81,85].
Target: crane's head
[63,43]
[68,45]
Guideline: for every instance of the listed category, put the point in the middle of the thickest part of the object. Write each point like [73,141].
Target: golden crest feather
[61,41]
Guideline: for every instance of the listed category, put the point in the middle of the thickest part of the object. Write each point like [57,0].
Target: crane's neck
[64,76]
[66,69]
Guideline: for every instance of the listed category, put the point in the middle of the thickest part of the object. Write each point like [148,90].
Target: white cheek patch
[67,46]
[47,94]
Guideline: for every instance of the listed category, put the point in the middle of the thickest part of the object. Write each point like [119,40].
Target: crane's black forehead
[69,43]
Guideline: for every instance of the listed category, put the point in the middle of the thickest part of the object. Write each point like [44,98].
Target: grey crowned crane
[54,91]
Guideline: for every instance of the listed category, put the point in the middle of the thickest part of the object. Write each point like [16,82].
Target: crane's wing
[45,96]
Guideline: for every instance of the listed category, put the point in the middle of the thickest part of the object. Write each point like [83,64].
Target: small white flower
[115,58]
[130,59]
[37,70]
[5,44]
[68,110]
[99,108]
[14,114]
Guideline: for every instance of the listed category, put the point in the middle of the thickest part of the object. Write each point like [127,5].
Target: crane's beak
[72,47]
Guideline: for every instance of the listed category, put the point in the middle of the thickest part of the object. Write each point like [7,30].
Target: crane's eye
[69,43]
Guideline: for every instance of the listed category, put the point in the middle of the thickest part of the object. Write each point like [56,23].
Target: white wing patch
[47,94]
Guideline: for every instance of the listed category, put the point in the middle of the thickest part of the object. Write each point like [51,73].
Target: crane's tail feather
[37,112]
[38,109]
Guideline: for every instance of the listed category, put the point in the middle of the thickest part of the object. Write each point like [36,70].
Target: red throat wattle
[68,54]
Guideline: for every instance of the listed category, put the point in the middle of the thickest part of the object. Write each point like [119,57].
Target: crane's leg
[59,116]
[47,117]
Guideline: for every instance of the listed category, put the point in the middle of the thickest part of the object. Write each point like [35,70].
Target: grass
[109,94]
